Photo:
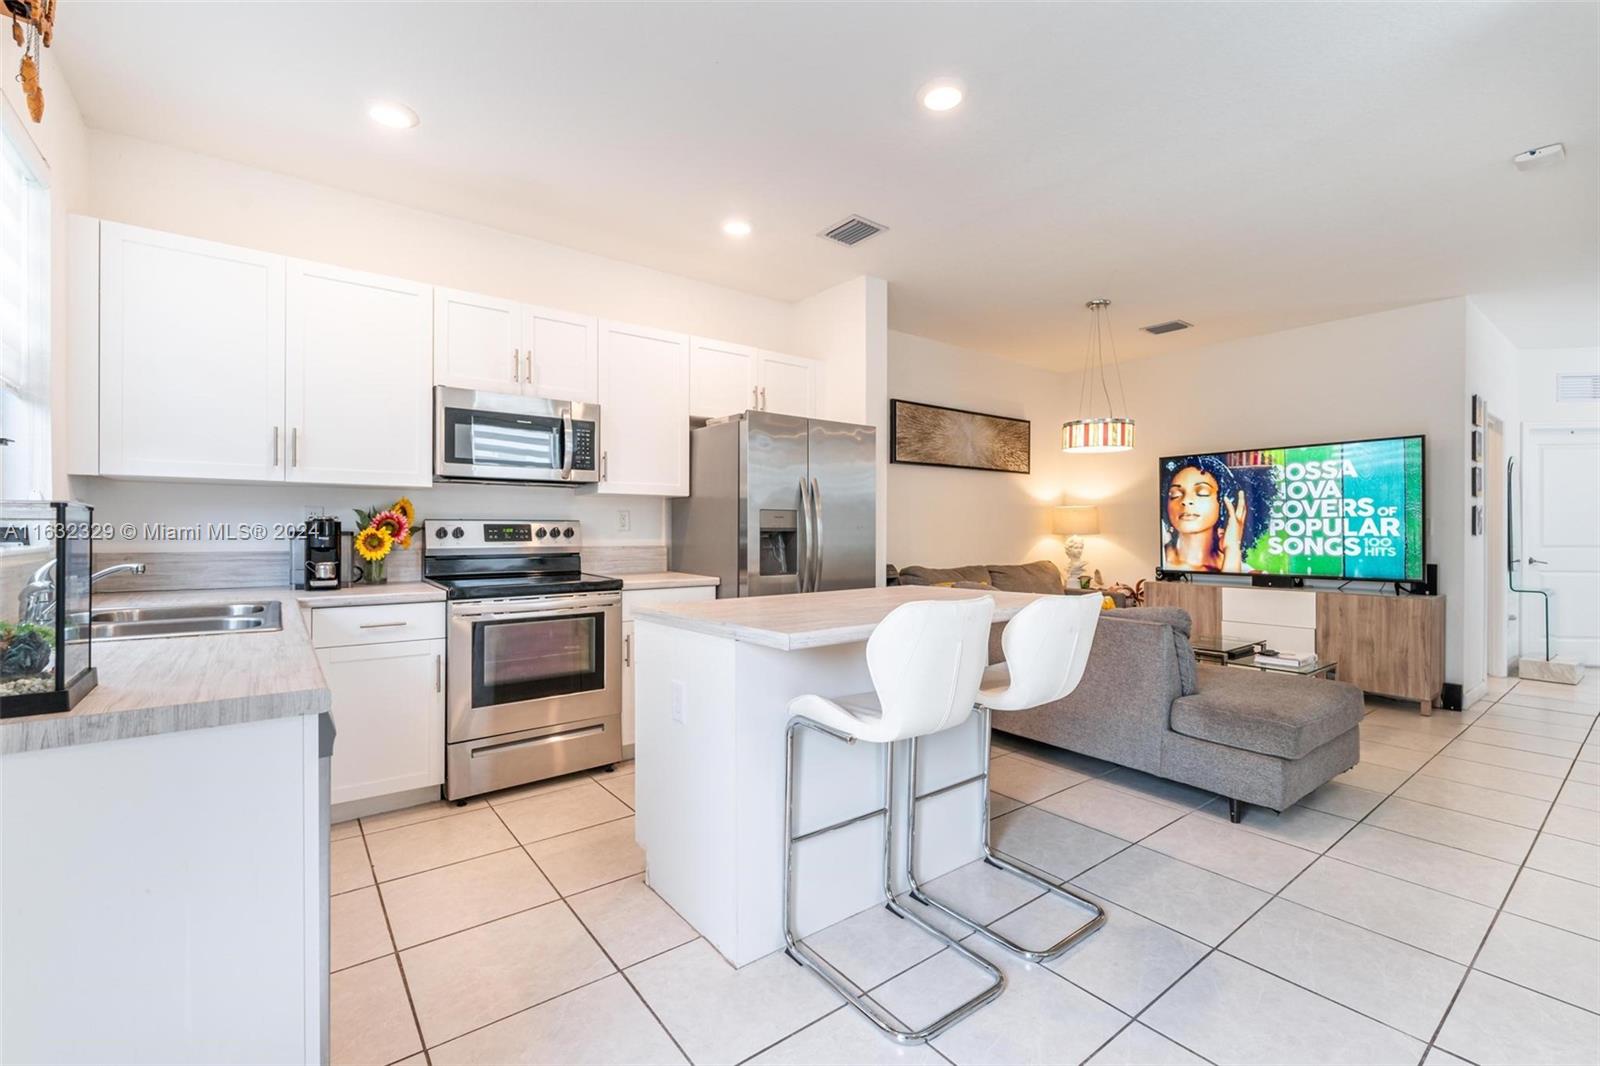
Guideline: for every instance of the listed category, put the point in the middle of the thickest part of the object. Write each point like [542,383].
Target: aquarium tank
[46,557]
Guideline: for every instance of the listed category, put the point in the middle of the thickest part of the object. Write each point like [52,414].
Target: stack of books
[1287,658]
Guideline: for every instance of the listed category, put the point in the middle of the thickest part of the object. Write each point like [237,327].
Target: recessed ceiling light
[736,227]
[941,95]
[395,116]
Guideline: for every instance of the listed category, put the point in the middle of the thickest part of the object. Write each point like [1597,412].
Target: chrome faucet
[38,598]
[120,568]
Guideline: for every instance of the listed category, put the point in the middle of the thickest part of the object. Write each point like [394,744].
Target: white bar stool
[1046,647]
[926,659]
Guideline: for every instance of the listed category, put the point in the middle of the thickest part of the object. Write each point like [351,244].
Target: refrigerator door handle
[816,535]
[803,563]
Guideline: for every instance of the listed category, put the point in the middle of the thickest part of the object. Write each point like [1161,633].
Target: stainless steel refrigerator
[779,504]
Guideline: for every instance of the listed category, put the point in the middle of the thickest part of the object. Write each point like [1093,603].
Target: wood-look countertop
[169,684]
[666,579]
[814,619]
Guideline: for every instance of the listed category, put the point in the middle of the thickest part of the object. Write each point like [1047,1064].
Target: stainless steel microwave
[496,436]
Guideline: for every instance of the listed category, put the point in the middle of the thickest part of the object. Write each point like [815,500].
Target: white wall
[1387,374]
[1538,368]
[1491,370]
[165,188]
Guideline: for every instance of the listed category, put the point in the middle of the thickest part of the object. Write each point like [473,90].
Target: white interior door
[562,363]
[477,342]
[359,407]
[788,385]
[1561,540]
[722,378]
[191,357]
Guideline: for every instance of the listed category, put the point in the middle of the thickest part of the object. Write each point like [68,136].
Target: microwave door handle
[567,444]
[816,535]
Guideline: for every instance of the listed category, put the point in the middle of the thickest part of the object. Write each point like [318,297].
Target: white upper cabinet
[477,342]
[644,411]
[561,355]
[787,385]
[191,357]
[722,378]
[359,407]
[483,342]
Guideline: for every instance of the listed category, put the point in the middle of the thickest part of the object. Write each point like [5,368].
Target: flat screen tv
[1351,510]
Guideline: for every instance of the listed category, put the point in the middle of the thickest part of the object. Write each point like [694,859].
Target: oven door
[487,436]
[515,665]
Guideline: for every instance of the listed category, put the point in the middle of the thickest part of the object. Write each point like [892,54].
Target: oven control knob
[569,533]
[440,532]
[458,532]
[540,533]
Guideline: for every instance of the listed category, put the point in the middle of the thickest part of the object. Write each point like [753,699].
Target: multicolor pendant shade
[1088,433]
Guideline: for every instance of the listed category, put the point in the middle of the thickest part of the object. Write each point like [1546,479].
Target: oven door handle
[567,444]
[555,610]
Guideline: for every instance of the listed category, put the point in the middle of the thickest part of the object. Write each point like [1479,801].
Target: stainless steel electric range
[533,661]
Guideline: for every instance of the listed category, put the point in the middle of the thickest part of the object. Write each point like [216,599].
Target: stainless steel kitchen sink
[133,623]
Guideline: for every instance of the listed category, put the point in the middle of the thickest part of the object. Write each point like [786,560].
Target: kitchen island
[712,686]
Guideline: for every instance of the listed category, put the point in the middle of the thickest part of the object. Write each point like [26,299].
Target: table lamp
[1075,521]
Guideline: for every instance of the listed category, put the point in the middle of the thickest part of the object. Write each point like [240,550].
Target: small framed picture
[1477,482]
[1477,445]
[1477,409]
[1477,521]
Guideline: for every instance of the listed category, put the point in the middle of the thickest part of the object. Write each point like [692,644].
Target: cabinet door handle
[627,650]
[438,673]
[763,397]
[755,397]
[528,377]
[605,466]
[381,625]
[294,446]
[516,364]
[275,430]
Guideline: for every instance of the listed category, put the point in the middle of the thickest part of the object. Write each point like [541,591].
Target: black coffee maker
[320,566]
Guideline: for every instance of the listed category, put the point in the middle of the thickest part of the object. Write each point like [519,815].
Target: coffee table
[1222,648]
[1329,670]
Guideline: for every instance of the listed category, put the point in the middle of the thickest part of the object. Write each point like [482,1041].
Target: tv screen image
[1350,510]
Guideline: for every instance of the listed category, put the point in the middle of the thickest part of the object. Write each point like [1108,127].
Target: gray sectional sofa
[1145,703]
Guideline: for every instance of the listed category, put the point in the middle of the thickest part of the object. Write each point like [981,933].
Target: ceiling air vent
[1168,327]
[1578,388]
[852,231]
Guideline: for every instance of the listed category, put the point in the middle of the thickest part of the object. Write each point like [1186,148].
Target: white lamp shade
[1076,520]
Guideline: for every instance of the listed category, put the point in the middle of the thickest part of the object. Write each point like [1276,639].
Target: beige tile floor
[1439,903]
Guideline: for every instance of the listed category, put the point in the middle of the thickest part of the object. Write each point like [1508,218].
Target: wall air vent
[1168,327]
[1578,388]
[852,231]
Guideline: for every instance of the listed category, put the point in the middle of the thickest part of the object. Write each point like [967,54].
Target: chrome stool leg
[1097,913]
[797,949]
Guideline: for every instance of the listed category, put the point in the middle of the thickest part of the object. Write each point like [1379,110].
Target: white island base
[712,686]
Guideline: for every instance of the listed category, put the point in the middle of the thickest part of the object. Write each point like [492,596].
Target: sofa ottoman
[1262,738]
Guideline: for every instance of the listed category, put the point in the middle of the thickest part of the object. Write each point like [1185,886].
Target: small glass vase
[374,571]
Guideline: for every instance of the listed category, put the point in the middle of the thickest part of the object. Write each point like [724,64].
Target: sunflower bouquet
[381,531]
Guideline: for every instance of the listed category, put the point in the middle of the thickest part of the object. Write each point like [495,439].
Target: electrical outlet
[680,700]
[624,520]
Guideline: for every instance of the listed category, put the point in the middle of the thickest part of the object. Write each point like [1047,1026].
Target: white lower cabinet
[632,601]
[388,709]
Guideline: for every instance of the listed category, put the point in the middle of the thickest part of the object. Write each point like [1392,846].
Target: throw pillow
[932,575]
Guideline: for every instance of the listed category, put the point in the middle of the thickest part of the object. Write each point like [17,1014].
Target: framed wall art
[923,434]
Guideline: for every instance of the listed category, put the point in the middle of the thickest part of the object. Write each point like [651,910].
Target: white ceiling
[1246,167]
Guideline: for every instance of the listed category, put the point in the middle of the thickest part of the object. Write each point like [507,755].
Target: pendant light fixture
[1086,433]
